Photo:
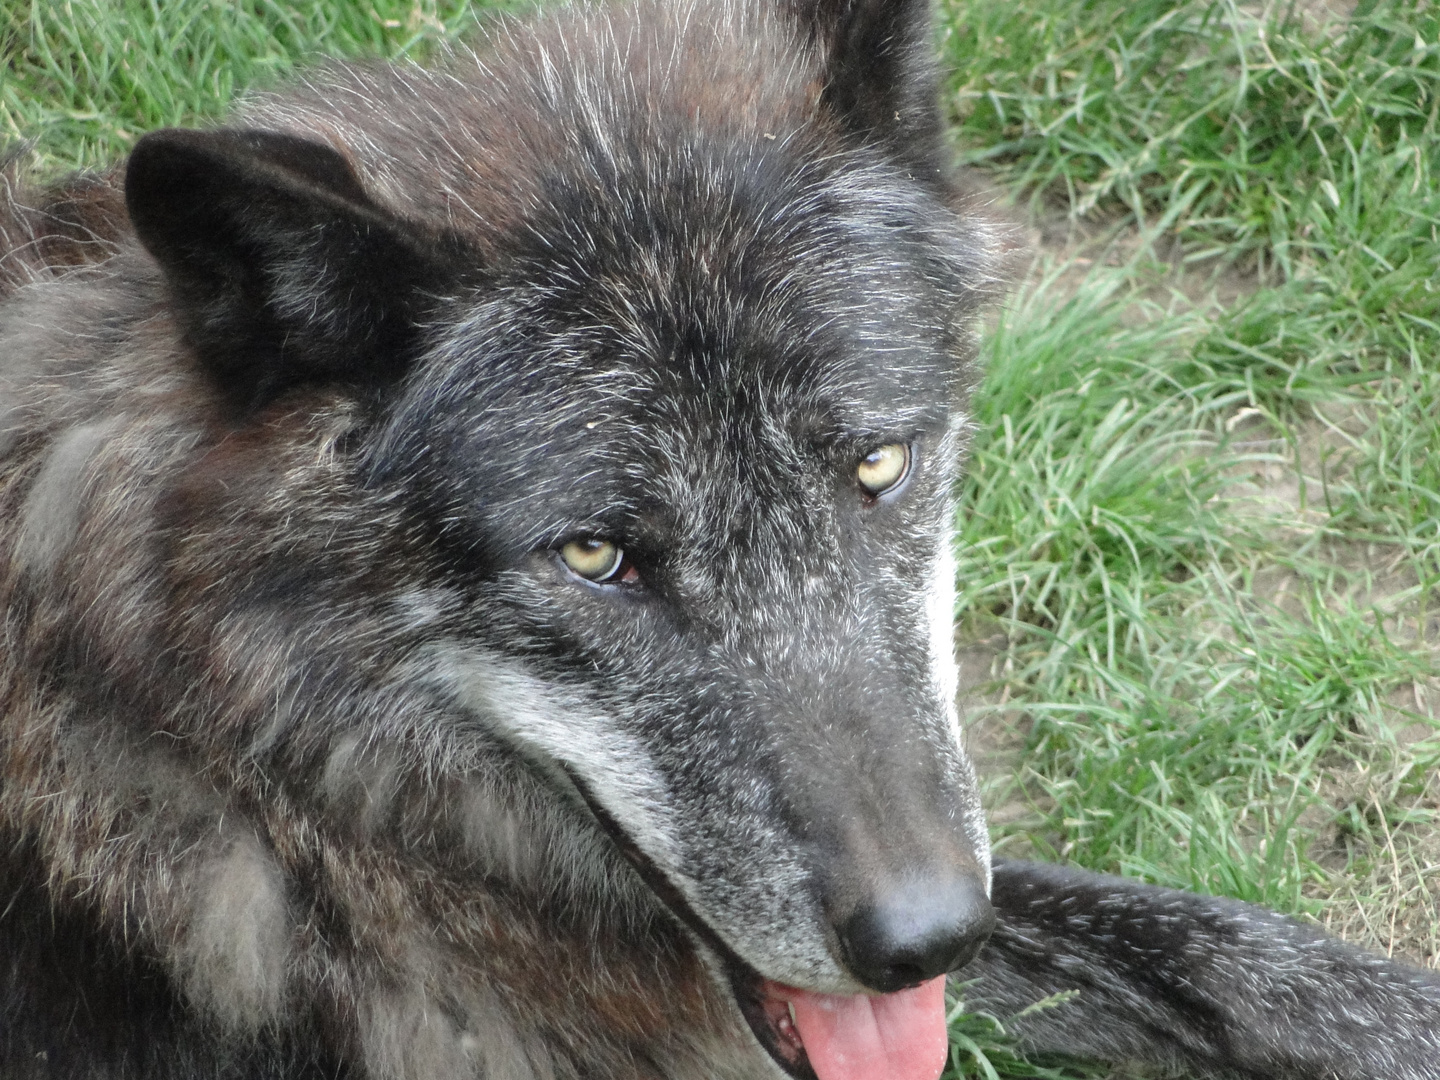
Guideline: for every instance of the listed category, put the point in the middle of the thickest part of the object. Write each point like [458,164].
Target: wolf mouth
[889,1036]
[899,1035]
[771,1018]
[768,1016]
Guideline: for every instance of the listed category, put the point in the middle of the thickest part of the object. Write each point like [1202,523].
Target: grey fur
[314,758]
[50,514]
[237,947]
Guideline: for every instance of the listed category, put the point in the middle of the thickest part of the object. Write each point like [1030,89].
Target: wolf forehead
[654,201]
[657,246]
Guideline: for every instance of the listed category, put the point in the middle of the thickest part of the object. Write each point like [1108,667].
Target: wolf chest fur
[474,562]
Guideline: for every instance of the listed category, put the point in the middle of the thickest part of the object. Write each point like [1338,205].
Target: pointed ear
[281,268]
[882,75]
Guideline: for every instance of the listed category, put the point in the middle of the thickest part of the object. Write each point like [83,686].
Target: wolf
[476,581]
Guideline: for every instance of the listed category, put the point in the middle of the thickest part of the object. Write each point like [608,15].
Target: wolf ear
[882,75]
[282,269]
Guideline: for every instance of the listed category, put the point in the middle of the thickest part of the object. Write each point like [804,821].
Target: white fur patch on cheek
[940,604]
[940,608]
[560,725]
[236,950]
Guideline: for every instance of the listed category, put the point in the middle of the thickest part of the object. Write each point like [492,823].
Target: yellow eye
[594,560]
[883,468]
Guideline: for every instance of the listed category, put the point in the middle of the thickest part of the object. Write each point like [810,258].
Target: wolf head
[655,330]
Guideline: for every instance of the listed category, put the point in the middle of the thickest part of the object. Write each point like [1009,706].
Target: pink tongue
[899,1036]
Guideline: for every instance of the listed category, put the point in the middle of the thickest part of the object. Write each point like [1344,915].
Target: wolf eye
[594,560]
[600,561]
[883,469]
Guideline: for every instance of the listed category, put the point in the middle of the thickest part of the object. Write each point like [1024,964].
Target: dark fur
[314,762]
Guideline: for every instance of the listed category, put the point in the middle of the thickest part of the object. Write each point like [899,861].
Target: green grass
[1238,131]
[83,78]
[1201,538]
[1205,537]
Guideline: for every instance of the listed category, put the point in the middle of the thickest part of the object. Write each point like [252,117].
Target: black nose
[917,932]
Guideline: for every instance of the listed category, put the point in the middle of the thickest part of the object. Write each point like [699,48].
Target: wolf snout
[917,931]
